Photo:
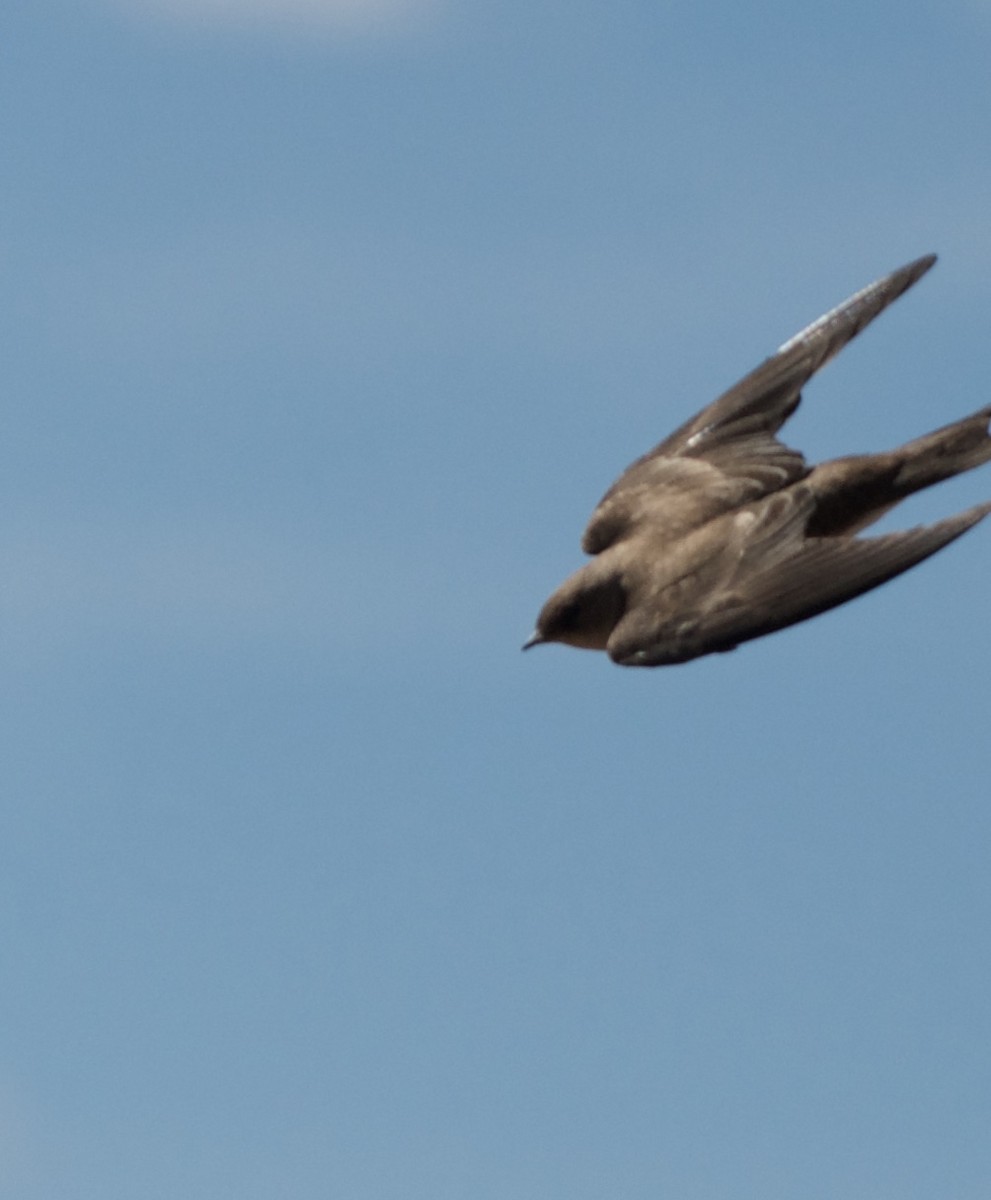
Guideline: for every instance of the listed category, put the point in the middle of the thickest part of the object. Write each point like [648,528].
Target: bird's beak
[533,640]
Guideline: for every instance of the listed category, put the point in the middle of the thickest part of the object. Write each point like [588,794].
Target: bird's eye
[567,618]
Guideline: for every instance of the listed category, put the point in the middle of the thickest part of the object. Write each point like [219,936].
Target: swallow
[722,533]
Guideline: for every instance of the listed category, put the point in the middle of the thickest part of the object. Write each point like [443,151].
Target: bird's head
[582,612]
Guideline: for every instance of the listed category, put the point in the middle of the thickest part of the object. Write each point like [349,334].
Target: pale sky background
[325,326]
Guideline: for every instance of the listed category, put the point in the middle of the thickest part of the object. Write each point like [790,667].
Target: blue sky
[326,324]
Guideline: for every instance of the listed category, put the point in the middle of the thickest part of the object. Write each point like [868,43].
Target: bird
[721,533]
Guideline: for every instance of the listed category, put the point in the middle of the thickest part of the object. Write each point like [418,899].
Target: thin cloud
[330,16]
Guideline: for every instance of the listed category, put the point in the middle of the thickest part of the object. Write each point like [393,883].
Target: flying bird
[722,533]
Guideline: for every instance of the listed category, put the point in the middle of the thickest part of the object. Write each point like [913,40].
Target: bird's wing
[780,588]
[728,454]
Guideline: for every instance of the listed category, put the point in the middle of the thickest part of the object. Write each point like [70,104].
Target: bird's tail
[854,492]
[949,451]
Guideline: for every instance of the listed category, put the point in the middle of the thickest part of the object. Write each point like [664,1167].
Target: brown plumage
[721,533]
